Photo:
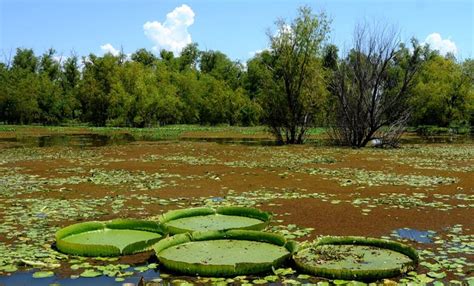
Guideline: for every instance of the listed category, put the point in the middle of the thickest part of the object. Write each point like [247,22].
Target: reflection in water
[420,236]
[99,140]
[72,140]
[26,279]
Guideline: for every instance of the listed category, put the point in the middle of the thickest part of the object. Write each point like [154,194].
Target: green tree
[190,91]
[145,57]
[69,80]
[100,74]
[443,93]
[49,66]
[219,66]
[20,88]
[297,87]
[189,57]
[25,59]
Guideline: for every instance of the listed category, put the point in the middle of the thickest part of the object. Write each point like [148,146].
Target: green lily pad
[89,273]
[207,219]
[438,275]
[351,258]
[223,253]
[119,238]
[271,278]
[8,268]
[108,238]
[43,274]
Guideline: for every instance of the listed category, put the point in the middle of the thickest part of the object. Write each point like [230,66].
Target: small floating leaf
[43,274]
[90,273]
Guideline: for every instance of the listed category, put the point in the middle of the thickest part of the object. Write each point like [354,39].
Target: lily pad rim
[95,250]
[249,212]
[213,270]
[351,274]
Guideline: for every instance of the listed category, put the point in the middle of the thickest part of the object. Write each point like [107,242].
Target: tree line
[371,91]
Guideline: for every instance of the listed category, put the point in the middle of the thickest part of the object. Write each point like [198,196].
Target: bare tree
[371,87]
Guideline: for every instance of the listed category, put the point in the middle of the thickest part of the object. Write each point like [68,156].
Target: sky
[236,27]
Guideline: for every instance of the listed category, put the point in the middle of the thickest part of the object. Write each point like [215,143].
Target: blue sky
[234,27]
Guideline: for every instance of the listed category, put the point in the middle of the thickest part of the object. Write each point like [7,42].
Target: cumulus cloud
[256,52]
[60,59]
[108,48]
[173,33]
[444,46]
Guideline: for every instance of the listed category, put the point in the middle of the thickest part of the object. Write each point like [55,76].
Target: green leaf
[43,274]
[88,273]
[439,275]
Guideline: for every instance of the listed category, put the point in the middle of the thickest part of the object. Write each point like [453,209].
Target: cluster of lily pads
[229,241]
[32,207]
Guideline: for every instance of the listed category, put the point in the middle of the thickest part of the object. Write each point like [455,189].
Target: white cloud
[60,59]
[108,48]
[254,53]
[173,33]
[444,46]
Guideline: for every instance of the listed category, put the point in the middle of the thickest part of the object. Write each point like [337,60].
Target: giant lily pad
[223,253]
[112,238]
[207,219]
[356,258]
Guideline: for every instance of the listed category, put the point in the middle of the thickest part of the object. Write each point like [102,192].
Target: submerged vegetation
[312,191]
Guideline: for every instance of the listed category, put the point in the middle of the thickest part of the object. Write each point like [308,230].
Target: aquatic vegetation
[112,238]
[44,189]
[347,177]
[263,195]
[207,219]
[223,253]
[448,253]
[356,258]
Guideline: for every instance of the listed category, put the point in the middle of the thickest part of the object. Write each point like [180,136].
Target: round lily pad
[207,219]
[223,253]
[356,258]
[112,238]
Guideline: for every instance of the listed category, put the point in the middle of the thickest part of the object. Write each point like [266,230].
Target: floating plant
[223,253]
[112,238]
[208,219]
[356,258]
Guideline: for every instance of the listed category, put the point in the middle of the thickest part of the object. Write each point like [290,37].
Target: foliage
[223,218]
[444,93]
[295,84]
[109,90]
[108,238]
[290,76]
[356,258]
[223,253]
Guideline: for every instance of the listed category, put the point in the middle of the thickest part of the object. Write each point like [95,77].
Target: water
[71,140]
[234,141]
[440,139]
[420,236]
[98,140]
[26,279]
